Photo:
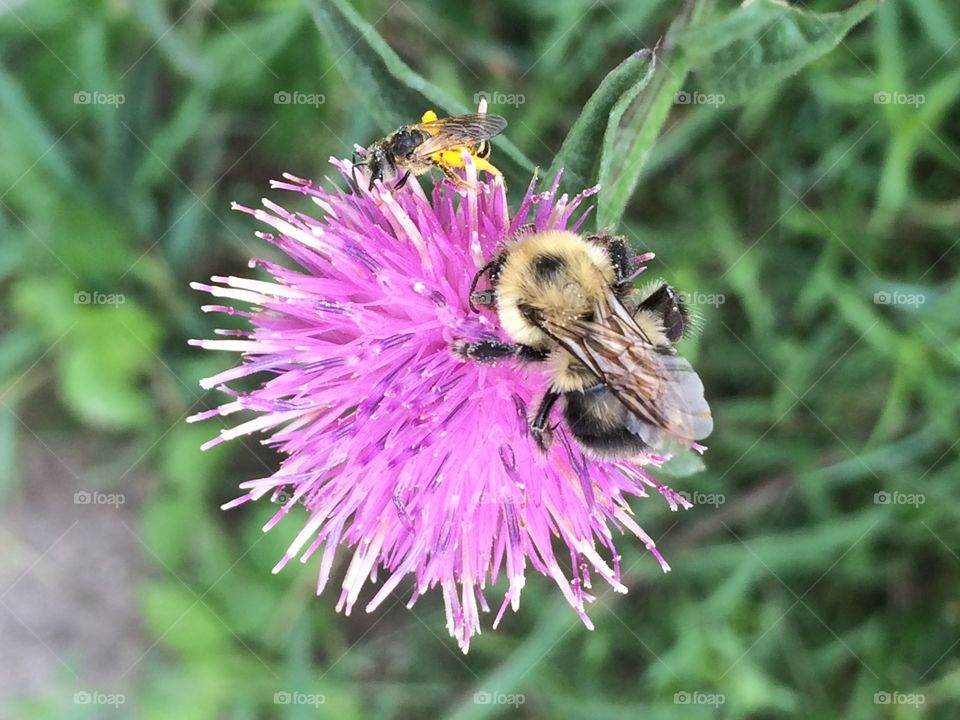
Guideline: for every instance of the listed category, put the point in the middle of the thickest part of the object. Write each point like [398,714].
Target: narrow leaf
[626,148]
[22,120]
[762,42]
[592,134]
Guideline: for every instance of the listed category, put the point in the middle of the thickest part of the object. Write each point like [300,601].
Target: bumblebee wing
[456,131]
[654,383]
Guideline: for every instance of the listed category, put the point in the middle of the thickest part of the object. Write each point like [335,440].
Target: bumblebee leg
[618,251]
[487,298]
[667,304]
[488,351]
[540,425]
[524,230]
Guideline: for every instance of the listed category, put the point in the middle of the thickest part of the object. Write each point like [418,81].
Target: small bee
[568,301]
[433,143]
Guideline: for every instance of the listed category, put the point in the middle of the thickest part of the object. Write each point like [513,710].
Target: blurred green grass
[801,595]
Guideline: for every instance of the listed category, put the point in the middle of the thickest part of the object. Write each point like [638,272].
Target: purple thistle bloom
[419,461]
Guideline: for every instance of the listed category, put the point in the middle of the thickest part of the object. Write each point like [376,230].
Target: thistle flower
[419,462]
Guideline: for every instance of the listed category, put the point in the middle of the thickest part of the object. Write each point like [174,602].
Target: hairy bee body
[601,424]
[433,143]
[567,301]
[555,271]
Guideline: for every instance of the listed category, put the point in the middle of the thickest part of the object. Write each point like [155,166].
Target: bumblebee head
[552,275]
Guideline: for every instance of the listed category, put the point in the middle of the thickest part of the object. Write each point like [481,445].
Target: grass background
[800,595]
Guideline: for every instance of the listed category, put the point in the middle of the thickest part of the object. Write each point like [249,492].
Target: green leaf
[8,454]
[624,159]
[936,22]
[397,94]
[185,623]
[762,42]
[170,140]
[168,524]
[96,396]
[47,304]
[171,40]
[683,465]
[244,50]
[27,125]
[599,148]
[592,135]
[187,468]
[507,677]
[626,149]
[104,345]
[96,247]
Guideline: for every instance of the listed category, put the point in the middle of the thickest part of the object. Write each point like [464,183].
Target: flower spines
[393,446]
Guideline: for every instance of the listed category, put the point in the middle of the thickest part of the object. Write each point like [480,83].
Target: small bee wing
[654,383]
[457,131]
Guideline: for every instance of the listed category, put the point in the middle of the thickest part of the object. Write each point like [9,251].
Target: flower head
[419,462]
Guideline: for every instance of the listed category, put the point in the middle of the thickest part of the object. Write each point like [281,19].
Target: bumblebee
[433,143]
[568,301]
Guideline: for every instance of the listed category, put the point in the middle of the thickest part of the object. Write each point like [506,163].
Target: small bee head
[404,142]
